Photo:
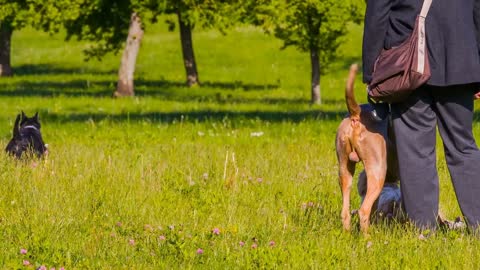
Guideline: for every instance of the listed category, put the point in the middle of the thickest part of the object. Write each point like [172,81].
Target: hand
[476,95]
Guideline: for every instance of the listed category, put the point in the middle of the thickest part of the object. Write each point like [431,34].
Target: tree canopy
[317,27]
[313,26]
[307,24]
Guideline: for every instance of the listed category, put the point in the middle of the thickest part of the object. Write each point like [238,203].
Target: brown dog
[361,138]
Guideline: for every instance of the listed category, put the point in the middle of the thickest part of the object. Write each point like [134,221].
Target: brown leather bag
[400,70]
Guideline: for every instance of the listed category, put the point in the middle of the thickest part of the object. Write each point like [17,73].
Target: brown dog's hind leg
[346,172]
[375,180]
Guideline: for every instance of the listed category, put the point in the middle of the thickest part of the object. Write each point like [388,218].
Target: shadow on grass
[49,69]
[168,90]
[75,88]
[476,116]
[197,116]
[203,116]
[235,85]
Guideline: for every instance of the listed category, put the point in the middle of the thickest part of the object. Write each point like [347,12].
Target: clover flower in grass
[23,251]
[307,205]
[43,267]
[216,231]
[369,244]
[131,242]
[162,237]
[241,243]
[26,263]
[199,251]
[257,134]
[254,246]
[272,243]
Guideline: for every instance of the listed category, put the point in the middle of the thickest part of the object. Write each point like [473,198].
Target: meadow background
[239,173]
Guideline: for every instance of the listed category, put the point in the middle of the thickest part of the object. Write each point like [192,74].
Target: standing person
[445,101]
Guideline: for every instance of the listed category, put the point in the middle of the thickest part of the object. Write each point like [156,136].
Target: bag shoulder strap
[421,41]
[425,8]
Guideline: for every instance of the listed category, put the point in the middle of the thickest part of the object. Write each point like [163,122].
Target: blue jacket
[452,31]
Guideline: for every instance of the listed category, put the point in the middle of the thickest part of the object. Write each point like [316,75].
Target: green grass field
[180,178]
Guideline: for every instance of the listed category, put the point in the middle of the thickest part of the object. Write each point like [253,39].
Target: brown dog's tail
[352,105]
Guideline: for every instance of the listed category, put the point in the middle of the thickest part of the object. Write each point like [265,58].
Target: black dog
[27,139]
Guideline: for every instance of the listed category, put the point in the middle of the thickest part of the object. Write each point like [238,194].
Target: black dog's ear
[36,116]
[16,127]
[23,118]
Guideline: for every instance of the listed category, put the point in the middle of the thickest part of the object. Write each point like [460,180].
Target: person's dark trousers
[415,121]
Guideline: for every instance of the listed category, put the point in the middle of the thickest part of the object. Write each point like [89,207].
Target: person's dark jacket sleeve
[375,29]
[476,18]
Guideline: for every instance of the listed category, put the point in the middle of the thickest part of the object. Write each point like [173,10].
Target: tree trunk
[187,50]
[129,58]
[315,61]
[5,40]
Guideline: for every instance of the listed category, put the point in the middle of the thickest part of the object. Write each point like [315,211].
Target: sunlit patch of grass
[239,173]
